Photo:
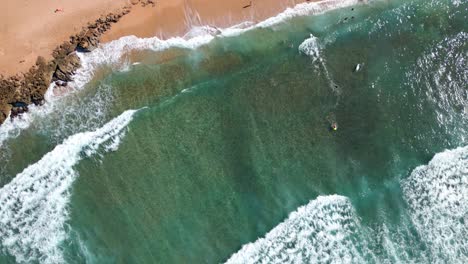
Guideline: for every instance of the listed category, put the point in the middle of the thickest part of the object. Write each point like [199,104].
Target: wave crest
[436,194]
[327,230]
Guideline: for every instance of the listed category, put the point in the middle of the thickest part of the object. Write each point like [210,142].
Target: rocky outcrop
[21,90]
[18,91]
[66,68]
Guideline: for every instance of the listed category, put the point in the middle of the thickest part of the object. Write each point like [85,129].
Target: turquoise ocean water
[224,152]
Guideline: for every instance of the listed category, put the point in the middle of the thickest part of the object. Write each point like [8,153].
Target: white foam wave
[33,205]
[326,230]
[437,196]
[311,47]
[197,31]
[307,8]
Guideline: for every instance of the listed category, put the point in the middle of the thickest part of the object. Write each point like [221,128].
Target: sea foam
[312,47]
[33,206]
[437,196]
[326,230]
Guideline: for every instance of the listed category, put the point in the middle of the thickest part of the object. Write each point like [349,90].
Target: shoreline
[27,88]
[176,18]
[41,29]
[17,92]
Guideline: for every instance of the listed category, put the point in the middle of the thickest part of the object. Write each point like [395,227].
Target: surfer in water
[334,126]
[331,120]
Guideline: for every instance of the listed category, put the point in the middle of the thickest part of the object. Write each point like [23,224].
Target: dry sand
[29,28]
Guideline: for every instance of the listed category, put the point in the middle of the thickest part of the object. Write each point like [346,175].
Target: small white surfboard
[357,68]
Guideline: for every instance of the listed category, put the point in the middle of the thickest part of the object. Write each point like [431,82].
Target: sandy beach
[33,28]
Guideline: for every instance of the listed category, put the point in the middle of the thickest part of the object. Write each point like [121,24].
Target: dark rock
[22,109]
[19,104]
[61,83]
[83,45]
[89,40]
[66,68]
[13,113]
[16,111]
[114,19]
[63,50]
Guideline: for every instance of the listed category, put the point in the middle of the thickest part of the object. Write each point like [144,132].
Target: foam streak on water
[33,205]
[311,47]
[437,195]
[327,230]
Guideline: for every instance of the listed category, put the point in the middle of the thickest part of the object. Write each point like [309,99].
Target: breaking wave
[311,47]
[327,230]
[437,196]
[33,206]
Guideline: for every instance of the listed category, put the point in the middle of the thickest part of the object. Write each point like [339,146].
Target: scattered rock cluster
[147,2]
[143,2]
[21,90]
